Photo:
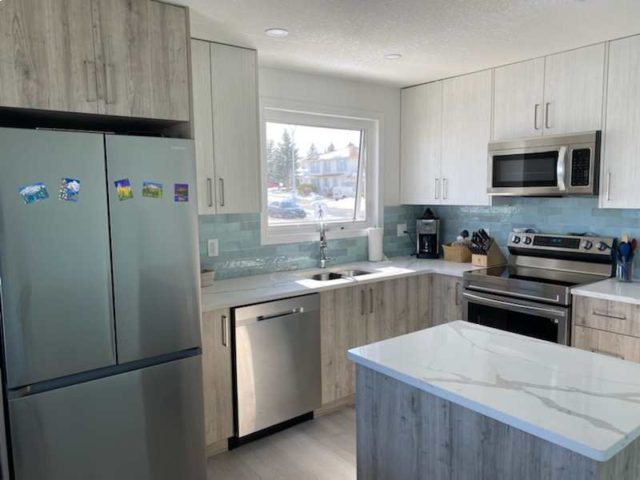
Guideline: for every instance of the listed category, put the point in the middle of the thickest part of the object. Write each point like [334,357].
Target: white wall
[335,92]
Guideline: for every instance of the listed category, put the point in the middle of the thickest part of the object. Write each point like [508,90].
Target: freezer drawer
[55,269]
[154,244]
[142,425]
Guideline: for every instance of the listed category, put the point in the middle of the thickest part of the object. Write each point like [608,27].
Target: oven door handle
[502,303]
[516,294]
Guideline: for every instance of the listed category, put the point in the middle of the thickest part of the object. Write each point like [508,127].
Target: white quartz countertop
[611,289]
[261,288]
[585,402]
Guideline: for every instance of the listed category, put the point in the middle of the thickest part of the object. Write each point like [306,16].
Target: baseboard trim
[218,447]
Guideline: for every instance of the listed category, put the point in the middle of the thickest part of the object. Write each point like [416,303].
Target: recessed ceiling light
[276,32]
[392,56]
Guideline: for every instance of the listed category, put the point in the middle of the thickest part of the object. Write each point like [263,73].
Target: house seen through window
[314,173]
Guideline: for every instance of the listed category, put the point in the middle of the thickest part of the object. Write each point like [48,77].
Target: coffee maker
[428,235]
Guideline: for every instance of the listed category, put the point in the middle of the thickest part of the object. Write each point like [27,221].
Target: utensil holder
[457,253]
[624,270]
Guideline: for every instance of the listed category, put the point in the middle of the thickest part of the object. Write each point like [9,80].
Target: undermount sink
[327,276]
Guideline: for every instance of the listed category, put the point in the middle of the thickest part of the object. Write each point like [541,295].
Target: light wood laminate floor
[323,448]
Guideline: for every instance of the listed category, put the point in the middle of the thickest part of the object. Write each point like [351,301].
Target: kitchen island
[462,401]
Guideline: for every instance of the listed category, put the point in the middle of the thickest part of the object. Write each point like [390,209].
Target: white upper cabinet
[621,167]
[518,100]
[421,144]
[558,94]
[225,97]
[573,90]
[466,132]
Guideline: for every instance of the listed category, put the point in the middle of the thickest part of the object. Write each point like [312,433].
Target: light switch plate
[212,247]
[402,227]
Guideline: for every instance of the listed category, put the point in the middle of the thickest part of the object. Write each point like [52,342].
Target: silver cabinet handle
[109,74]
[546,115]
[445,188]
[608,315]
[210,191]
[90,75]
[436,190]
[371,300]
[221,183]
[225,330]
[362,302]
[536,109]
[609,186]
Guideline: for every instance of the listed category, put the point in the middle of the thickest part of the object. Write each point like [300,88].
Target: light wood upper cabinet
[117,57]
[518,100]
[620,172]
[46,55]
[466,132]
[421,143]
[216,371]
[573,90]
[225,92]
[141,51]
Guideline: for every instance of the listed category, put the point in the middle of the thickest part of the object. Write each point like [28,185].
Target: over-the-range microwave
[555,165]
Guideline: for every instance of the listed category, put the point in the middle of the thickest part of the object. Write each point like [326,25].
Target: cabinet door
[343,326]
[235,129]
[517,102]
[573,90]
[466,131]
[46,53]
[621,175]
[421,144]
[216,372]
[169,58]
[142,51]
[607,343]
[203,125]
[446,299]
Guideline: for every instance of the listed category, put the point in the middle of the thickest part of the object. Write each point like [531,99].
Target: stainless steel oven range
[531,295]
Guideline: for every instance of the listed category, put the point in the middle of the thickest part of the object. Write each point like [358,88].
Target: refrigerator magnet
[69,189]
[151,189]
[181,192]
[33,193]
[124,190]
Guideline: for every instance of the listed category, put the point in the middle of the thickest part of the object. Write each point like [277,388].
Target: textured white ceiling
[437,38]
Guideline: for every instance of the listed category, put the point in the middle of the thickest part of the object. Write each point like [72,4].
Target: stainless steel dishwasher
[277,363]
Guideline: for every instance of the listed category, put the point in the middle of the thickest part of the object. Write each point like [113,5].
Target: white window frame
[279,111]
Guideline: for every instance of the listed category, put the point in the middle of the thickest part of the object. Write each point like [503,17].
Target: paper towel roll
[375,244]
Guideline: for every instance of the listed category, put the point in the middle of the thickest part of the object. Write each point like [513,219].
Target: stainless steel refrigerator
[99,299]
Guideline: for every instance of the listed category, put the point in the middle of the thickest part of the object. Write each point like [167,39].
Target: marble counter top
[611,289]
[582,401]
[261,288]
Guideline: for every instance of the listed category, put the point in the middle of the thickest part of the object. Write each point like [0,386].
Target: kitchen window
[317,168]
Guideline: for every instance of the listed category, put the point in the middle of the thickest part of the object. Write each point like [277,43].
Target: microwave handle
[562,168]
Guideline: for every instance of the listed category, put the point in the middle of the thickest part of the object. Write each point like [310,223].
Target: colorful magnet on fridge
[69,189]
[151,189]
[181,192]
[124,190]
[33,193]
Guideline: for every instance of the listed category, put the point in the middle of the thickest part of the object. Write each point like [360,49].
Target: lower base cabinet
[446,299]
[217,381]
[355,316]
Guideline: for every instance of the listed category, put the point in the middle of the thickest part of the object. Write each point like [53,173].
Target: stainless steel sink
[336,275]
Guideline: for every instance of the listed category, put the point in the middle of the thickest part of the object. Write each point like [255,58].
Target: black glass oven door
[535,320]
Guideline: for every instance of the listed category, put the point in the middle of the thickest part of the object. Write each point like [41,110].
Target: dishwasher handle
[293,311]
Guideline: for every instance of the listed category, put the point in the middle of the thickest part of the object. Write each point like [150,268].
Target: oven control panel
[561,243]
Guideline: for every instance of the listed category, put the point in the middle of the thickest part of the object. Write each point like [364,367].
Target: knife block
[493,258]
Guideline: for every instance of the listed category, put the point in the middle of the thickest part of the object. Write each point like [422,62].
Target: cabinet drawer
[605,315]
[612,344]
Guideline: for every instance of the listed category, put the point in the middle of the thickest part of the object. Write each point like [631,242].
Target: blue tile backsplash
[242,254]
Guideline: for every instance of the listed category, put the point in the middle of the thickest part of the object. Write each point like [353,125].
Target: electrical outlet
[212,247]
[402,227]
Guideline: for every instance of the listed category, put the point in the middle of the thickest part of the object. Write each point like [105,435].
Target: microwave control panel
[580,167]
